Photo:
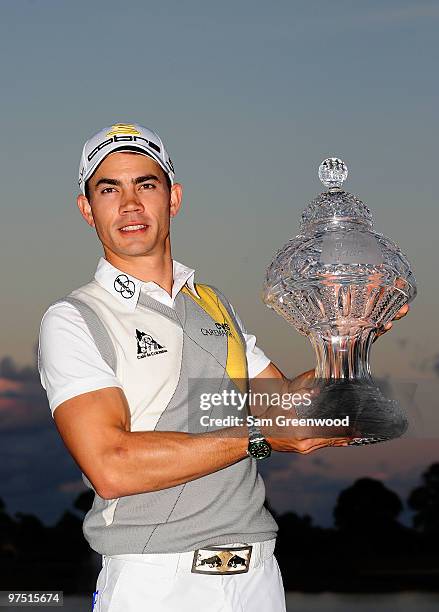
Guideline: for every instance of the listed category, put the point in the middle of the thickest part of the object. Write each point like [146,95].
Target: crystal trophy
[337,282]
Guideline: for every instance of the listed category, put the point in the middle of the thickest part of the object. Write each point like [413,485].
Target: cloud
[310,484]
[9,387]
[37,473]
[320,462]
[10,371]
[426,363]
[23,401]
[72,486]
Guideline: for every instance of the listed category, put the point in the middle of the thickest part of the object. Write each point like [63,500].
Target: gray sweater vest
[220,508]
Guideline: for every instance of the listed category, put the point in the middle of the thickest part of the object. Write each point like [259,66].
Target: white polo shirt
[69,361]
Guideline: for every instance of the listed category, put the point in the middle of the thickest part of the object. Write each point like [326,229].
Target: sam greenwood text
[281,420]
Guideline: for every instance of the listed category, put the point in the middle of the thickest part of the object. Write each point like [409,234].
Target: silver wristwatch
[258,447]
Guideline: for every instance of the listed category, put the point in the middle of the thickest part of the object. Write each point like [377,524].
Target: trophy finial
[333,172]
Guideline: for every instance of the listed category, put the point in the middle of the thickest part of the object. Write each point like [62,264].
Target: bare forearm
[152,460]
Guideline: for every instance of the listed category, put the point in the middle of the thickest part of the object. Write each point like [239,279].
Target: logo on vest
[221,329]
[124,286]
[147,346]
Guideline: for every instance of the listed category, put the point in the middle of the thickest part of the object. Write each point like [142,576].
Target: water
[360,602]
[304,602]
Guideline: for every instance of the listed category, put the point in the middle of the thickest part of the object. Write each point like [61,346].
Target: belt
[226,559]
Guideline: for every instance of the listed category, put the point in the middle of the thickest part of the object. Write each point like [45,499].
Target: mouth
[130,229]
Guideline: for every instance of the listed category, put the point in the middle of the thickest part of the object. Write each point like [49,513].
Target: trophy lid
[335,205]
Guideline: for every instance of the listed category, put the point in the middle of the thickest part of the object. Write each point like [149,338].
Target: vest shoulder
[212,291]
[92,289]
[210,288]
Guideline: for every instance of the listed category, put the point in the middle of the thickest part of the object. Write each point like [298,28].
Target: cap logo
[123,138]
[123,128]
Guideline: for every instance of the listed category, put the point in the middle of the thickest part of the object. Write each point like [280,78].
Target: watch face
[259,450]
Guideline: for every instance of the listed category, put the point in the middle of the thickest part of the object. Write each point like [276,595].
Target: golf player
[178,512]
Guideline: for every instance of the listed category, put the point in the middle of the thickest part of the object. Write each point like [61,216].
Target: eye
[106,190]
[148,185]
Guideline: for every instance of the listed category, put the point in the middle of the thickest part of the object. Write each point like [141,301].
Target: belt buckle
[223,561]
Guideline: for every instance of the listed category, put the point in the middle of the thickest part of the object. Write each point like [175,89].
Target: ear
[85,209]
[176,198]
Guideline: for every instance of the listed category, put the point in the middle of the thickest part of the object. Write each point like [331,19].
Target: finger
[383,329]
[318,446]
[316,443]
[402,312]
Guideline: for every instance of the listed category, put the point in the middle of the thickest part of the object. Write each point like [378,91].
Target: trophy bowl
[337,283]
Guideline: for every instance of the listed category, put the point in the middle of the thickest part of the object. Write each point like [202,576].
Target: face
[129,190]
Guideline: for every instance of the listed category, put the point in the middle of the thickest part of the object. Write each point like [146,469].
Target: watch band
[254,432]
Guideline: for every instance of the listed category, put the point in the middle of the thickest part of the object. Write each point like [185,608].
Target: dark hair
[87,186]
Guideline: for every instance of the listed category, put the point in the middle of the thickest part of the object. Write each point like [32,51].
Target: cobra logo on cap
[123,128]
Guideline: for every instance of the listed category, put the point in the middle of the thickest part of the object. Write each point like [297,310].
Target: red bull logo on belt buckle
[216,560]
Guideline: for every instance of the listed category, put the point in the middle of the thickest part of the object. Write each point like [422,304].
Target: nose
[131,202]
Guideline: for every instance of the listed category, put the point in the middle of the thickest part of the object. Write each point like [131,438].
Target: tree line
[367,549]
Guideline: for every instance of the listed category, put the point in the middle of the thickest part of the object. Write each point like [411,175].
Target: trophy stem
[343,356]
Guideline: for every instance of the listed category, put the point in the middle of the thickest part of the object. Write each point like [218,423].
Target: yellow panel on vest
[236,364]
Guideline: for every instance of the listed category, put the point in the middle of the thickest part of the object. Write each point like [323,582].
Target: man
[177,511]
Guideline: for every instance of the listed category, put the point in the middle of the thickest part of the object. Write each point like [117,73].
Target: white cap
[122,137]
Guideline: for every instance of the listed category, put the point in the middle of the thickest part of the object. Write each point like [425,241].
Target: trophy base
[373,418]
[362,441]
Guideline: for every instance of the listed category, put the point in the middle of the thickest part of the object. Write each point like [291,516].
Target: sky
[249,97]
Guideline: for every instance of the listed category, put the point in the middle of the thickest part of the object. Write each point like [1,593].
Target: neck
[156,267]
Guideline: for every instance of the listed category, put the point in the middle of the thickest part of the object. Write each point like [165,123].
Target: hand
[299,439]
[384,328]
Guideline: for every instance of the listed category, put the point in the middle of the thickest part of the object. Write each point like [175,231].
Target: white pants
[165,583]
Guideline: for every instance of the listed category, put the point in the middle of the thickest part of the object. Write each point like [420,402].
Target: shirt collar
[126,288]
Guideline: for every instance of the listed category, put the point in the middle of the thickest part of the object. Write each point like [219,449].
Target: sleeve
[257,360]
[69,361]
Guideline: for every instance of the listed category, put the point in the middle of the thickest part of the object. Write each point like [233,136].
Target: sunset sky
[249,97]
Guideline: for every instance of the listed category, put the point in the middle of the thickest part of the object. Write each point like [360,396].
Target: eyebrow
[136,181]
